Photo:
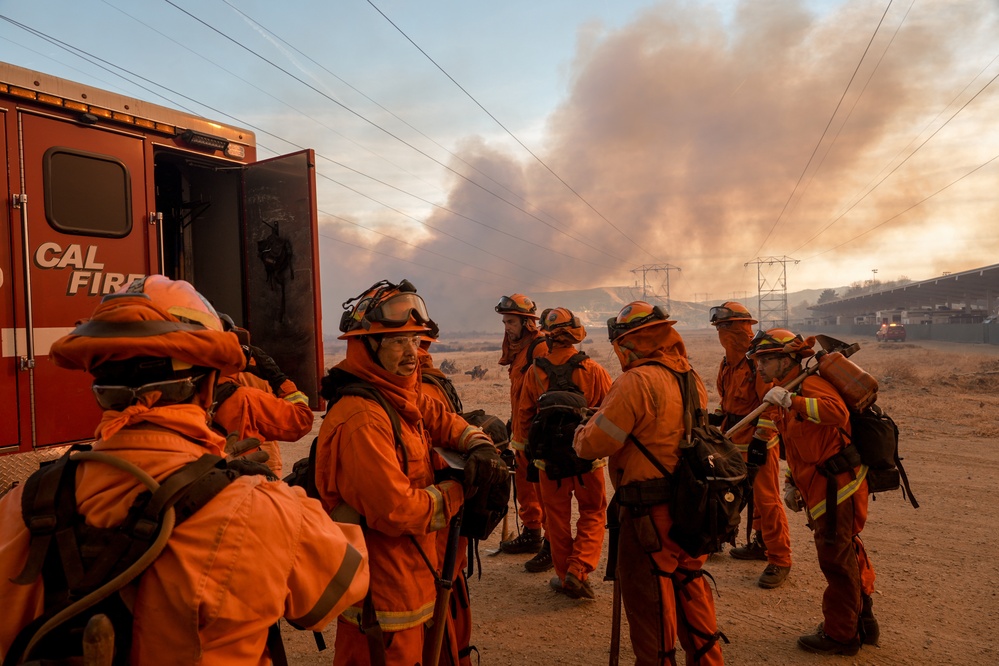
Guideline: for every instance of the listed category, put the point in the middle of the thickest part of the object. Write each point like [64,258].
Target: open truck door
[281,259]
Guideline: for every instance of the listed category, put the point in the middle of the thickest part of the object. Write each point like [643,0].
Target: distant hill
[595,306]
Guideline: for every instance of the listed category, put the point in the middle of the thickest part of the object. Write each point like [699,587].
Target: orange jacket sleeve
[253,412]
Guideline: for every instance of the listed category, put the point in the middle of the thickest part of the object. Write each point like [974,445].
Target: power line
[514,136]
[385,109]
[387,132]
[76,51]
[819,143]
[918,203]
[853,107]
[907,157]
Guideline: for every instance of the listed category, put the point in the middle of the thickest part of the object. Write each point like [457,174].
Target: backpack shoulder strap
[560,376]
[447,386]
[75,581]
[530,351]
[363,389]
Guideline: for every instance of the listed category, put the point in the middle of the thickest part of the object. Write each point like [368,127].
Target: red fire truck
[101,188]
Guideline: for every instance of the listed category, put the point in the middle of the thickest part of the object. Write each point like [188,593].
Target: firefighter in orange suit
[741,390]
[574,557]
[522,342]
[665,594]
[815,426]
[256,552]
[437,385]
[262,402]
[374,467]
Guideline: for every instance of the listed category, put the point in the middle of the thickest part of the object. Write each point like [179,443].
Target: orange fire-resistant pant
[531,505]
[664,596]
[847,570]
[769,518]
[580,555]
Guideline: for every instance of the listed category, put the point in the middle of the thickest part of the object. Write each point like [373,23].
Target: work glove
[792,498]
[779,396]
[483,468]
[266,369]
[716,419]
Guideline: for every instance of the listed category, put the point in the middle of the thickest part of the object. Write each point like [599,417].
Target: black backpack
[85,567]
[710,485]
[560,410]
[875,439]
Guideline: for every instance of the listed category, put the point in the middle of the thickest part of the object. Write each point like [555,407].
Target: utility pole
[771,277]
[656,292]
[874,279]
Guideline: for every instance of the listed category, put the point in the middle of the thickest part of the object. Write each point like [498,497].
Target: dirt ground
[937,596]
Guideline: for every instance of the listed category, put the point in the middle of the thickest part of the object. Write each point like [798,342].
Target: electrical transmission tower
[657,293]
[771,277]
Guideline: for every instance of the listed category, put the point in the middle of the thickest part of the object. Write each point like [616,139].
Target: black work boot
[773,576]
[820,643]
[870,632]
[754,550]
[529,541]
[542,561]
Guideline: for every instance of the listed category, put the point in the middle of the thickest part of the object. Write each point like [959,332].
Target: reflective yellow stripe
[392,620]
[597,464]
[334,591]
[297,397]
[812,409]
[766,423]
[610,428]
[518,445]
[437,519]
[844,492]
[468,437]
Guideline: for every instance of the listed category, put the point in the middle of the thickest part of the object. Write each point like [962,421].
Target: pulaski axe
[829,345]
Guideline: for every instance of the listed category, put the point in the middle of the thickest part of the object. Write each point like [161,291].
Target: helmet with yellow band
[519,305]
[386,308]
[728,312]
[155,334]
[635,316]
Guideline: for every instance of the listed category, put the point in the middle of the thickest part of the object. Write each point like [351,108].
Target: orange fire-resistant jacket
[359,469]
[257,552]
[741,390]
[517,366]
[254,411]
[813,432]
[645,401]
[591,378]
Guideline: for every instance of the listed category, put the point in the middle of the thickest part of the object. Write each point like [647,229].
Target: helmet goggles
[721,313]
[764,343]
[518,304]
[172,391]
[631,318]
[397,310]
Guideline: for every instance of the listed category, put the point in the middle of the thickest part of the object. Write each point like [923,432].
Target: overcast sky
[594,138]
